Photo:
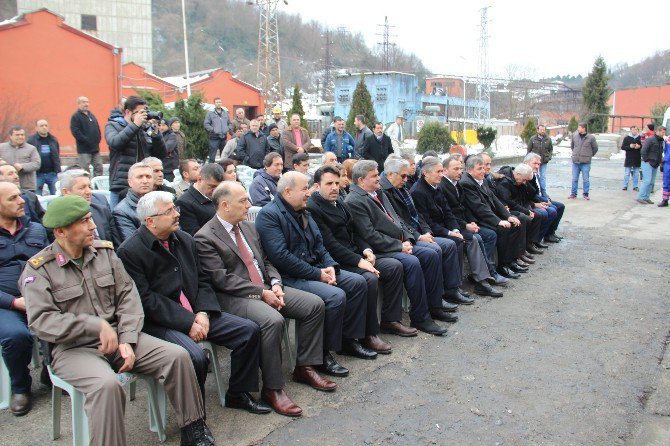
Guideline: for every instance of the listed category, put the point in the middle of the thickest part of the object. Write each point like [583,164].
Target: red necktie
[182,297]
[376,198]
[254,275]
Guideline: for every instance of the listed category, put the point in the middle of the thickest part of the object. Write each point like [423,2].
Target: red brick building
[636,102]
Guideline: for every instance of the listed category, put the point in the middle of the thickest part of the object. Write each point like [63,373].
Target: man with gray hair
[264,185]
[141,182]
[78,182]
[376,222]
[182,308]
[433,206]
[294,244]
[248,285]
[159,176]
[551,211]
[196,204]
[329,158]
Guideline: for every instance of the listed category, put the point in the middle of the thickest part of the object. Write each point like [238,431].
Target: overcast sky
[526,38]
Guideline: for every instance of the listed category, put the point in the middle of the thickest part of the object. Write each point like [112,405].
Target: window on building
[89,22]
[343,96]
[382,94]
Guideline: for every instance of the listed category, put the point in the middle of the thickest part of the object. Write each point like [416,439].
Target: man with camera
[131,137]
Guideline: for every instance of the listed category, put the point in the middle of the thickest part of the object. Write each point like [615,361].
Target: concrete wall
[123,23]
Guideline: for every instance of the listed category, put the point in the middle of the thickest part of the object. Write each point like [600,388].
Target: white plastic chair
[80,433]
[212,350]
[252,213]
[100,183]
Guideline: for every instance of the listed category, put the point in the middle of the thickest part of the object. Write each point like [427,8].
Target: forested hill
[224,33]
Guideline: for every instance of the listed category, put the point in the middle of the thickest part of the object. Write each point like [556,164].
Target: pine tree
[528,131]
[361,104]
[486,136]
[434,136]
[572,125]
[596,93]
[296,107]
[192,114]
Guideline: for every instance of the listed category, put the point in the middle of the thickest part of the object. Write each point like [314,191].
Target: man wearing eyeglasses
[179,303]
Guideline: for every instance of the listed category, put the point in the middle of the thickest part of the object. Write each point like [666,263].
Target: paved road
[574,354]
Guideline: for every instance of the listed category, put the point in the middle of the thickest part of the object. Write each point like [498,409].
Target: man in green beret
[80,299]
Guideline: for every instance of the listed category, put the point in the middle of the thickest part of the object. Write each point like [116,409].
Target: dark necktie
[182,297]
[254,275]
[376,198]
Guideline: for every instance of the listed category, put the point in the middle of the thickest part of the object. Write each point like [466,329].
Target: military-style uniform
[65,304]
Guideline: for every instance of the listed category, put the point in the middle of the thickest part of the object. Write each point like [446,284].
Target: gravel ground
[569,356]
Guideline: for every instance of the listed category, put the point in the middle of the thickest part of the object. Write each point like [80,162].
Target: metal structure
[482,114]
[327,92]
[386,44]
[269,70]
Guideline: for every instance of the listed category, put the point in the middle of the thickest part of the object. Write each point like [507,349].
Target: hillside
[227,36]
[654,70]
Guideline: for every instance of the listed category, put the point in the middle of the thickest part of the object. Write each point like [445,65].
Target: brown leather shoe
[306,374]
[376,344]
[398,329]
[280,402]
[20,404]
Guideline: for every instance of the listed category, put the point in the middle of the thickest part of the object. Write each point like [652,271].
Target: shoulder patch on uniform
[41,259]
[103,244]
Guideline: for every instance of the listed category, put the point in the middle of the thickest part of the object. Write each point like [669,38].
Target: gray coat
[217,125]
[125,217]
[28,157]
[584,147]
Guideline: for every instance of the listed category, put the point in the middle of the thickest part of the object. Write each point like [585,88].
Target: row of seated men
[329,264]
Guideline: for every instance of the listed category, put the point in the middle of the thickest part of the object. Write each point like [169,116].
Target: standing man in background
[632,144]
[49,150]
[542,145]
[22,156]
[217,123]
[584,147]
[86,131]
[396,132]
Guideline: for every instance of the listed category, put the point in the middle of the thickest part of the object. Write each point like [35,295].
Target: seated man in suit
[264,185]
[432,204]
[195,205]
[181,307]
[489,212]
[293,243]
[78,182]
[453,191]
[20,239]
[33,208]
[248,285]
[376,222]
[549,209]
[512,191]
[355,255]
[159,176]
[141,182]
[450,249]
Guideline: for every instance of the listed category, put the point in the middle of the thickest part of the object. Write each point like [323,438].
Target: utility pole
[483,108]
[327,73]
[386,44]
[269,70]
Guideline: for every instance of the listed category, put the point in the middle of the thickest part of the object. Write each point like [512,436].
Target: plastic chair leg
[56,397]
[157,413]
[36,353]
[79,420]
[216,368]
[5,384]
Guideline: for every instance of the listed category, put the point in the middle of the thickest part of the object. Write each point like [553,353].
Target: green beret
[63,211]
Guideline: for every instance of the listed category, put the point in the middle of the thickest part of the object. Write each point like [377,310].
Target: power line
[386,44]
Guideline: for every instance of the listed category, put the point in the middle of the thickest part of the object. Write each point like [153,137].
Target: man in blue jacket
[339,141]
[263,188]
[294,245]
[20,239]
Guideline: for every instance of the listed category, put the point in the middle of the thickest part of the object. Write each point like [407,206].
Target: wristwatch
[204,314]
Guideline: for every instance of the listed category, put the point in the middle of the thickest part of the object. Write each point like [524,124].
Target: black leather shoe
[429,326]
[245,401]
[455,297]
[352,347]
[448,306]
[527,260]
[533,250]
[517,268]
[196,434]
[441,315]
[20,404]
[551,238]
[506,272]
[484,289]
[540,245]
[331,367]
[463,293]
[497,279]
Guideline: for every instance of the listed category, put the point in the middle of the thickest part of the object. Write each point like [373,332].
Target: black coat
[484,206]
[34,140]
[434,208]
[128,144]
[337,229]
[161,276]
[376,150]
[652,151]
[403,212]
[171,161]
[195,210]
[455,197]
[633,156]
[251,149]
[102,217]
[517,197]
[86,132]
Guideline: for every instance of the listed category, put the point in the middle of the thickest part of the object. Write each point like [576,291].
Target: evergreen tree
[192,114]
[528,131]
[486,136]
[155,103]
[296,107]
[658,109]
[596,93]
[361,104]
[434,136]
[572,125]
